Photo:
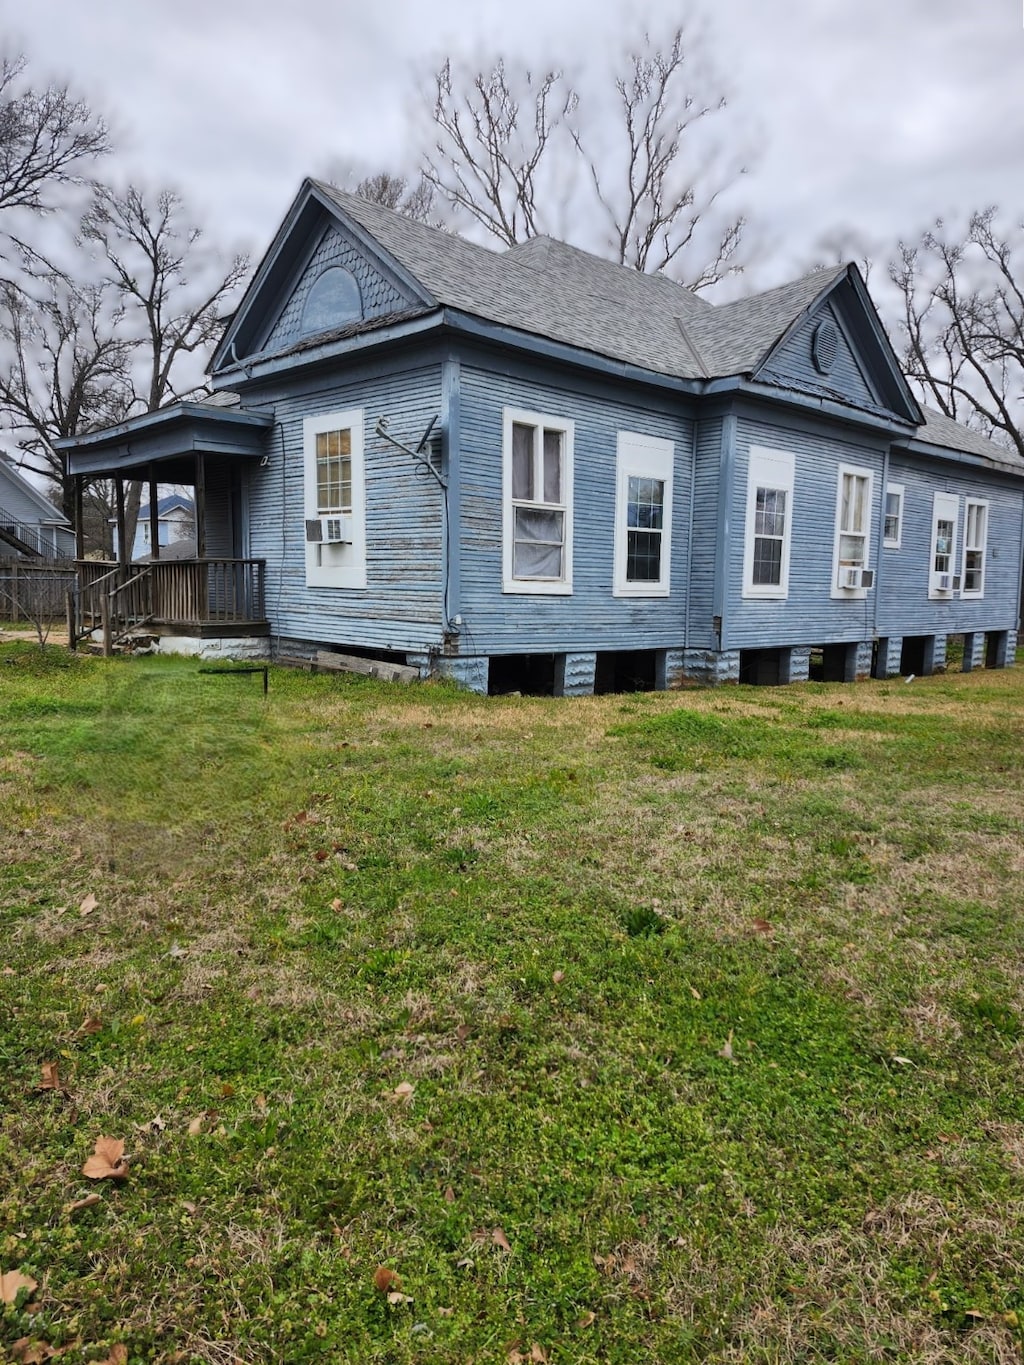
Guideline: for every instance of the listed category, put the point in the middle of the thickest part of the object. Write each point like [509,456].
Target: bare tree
[47,137]
[510,148]
[493,131]
[172,291]
[653,186]
[399,192]
[962,316]
[65,369]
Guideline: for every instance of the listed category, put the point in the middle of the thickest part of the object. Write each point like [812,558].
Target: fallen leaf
[903,1061]
[88,905]
[156,1124]
[176,950]
[337,904]
[12,1281]
[386,1280]
[462,1032]
[189,1207]
[107,1161]
[761,926]
[695,993]
[449,1195]
[91,1025]
[445,1312]
[397,1297]
[726,1049]
[499,1239]
[118,1355]
[86,1202]
[8,971]
[196,1126]
[227,1090]
[404,1091]
[558,977]
[587,1320]
[51,1078]
[537,1354]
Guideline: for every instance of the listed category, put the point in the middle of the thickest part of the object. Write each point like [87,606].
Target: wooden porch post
[79,517]
[122,548]
[154,516]
[200,505]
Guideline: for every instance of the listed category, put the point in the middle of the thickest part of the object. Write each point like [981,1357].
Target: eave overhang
[964,458]
[169,440]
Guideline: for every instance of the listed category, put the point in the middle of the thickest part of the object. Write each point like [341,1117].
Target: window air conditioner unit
[944,582]
[851,578]
[328,530]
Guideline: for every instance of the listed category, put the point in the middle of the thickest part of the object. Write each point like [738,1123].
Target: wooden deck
[184,596]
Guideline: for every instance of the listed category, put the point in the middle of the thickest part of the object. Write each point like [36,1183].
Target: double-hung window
[893,530]
[851,575]
[769,523]
[537,482]
[975,548]
[643,516]
[334,499]
[942,577]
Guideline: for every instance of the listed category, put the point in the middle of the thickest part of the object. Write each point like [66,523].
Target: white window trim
[561,587]
[859,472]
[342,565]
[900,492]
[945,507]
[643,457]
[972,594]
[768,469]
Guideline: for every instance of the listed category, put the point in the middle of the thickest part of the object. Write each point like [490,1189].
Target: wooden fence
[35,592]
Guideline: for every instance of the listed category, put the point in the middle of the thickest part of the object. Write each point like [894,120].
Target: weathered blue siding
[702,610]
[401,606]
[809,615]
[904,607]
[793,365]
[590,618]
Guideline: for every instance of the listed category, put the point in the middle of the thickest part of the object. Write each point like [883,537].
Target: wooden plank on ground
[372,668]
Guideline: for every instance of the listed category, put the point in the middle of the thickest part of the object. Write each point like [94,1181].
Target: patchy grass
[662,1027]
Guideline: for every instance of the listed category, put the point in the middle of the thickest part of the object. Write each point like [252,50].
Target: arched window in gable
[333,300]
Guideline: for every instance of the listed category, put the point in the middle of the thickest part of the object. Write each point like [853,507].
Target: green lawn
[666,1027]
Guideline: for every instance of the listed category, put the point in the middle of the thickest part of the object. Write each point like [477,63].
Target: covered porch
[217,592]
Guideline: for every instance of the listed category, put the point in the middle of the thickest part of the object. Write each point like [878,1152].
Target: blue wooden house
[536,469]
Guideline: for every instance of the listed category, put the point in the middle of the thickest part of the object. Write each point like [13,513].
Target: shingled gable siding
[809,614]
[904,607]
[590,618]
[795,364]
[379,296]
[401,607]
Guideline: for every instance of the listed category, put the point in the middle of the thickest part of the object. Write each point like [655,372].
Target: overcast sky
[866,116]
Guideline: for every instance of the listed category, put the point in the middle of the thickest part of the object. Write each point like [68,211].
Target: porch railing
[179,592]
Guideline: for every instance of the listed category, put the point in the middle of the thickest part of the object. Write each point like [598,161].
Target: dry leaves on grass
[496,1236]
[107,1161]
[88,905]
[51,1077]
[535,1356]
[11,1284]
[386,1280]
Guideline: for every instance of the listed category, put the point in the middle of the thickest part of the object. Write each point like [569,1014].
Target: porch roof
[169,439]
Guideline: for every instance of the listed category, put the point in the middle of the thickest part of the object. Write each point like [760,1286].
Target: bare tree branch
[962,318]
[46,138]
[493,131]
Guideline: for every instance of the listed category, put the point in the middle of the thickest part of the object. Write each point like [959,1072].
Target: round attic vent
[824,346]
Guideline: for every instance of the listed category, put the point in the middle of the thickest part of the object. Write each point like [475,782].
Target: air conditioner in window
[328,530]
[943,582]
[851,578]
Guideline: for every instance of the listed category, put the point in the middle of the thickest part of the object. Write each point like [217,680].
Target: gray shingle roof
[595,305]
[940,430]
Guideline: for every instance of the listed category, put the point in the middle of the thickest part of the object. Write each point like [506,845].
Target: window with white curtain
[537,484]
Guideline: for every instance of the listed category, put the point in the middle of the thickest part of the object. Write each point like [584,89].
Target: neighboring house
[31,528]
[534,468]
[176,522]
